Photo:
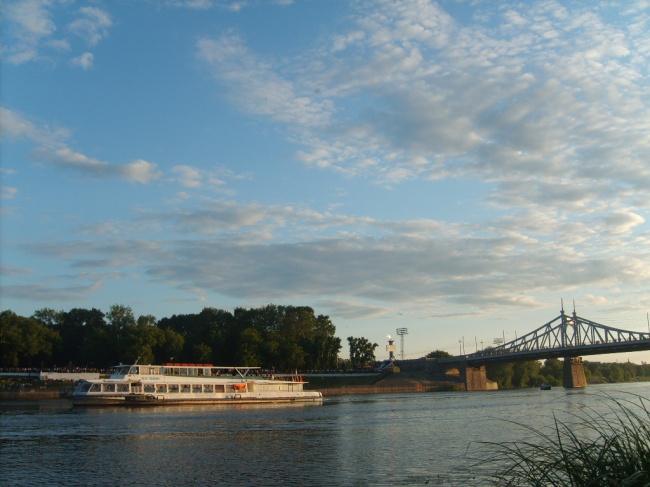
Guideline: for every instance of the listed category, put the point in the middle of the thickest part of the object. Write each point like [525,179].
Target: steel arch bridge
[565,336]
[568,336]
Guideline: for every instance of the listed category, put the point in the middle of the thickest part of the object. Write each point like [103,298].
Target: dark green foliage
[517,375]
[283,338]
[437,354]
[362,352]
[25,342]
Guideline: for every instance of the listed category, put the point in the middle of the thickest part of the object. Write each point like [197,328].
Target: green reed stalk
[594,449]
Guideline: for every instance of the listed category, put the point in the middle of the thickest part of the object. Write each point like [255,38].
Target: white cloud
[28,22]
[32,33]
[92,25]
[8,192]
[85,61]
[622,222]
[540,93]
[139,171]
[189,177]
[255,86]
[52,148]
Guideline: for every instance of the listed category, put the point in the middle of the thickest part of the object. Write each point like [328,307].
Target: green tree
[250,348]
[49,317]
[501,373]
[362,352]
[170,347]
[120,317]
[437,354]
[553,372]
[202,353]
[24,342]
[75,328]
[148,320]
[138,342]
[526,374]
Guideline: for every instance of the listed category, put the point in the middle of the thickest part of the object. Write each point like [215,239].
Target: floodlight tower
[401,332]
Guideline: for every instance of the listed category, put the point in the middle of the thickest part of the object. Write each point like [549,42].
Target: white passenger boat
[180,384]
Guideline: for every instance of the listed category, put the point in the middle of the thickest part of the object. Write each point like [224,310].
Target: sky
[461,168]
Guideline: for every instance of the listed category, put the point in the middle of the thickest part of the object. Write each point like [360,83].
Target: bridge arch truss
[566,336]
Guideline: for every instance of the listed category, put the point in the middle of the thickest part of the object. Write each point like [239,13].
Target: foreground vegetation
[607,448]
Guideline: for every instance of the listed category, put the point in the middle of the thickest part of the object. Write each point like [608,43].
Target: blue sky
[456,168]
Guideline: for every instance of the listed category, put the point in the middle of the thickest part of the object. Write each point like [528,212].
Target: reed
[593,449]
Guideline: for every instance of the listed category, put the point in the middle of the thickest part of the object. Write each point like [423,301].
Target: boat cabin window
[173,388]
[96,388]
[86,387]
[161,388]
[149,388]
[185,388]
[208,388]
[109,387]
[121,370]
[122,388]
[196,388]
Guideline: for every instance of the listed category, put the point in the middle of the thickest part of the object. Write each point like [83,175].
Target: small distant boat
[545,387]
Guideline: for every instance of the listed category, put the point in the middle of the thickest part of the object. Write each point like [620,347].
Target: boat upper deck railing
[182,370]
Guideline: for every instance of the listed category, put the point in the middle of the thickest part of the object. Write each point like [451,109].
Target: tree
[148,320]
[138,342]
[49,317]
[362,352]
[502,373]
[526,374]
[325,347]
[120,317]
[250,348]
[437,354]
[80,345]
[202,353]
[24,341]
[553,371]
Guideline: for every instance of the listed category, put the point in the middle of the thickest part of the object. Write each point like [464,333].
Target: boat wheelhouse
[178,384]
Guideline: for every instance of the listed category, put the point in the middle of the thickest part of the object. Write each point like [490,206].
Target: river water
[384,439]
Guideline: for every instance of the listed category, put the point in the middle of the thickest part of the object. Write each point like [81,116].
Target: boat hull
[239,399]
[96,400]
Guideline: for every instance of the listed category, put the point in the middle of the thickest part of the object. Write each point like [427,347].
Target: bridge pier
[475,378]
[574,373]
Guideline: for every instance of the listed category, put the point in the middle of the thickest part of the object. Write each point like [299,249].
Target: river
[383,439]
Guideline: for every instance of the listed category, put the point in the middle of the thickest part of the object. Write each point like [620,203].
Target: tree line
[283,338]
[516,375]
